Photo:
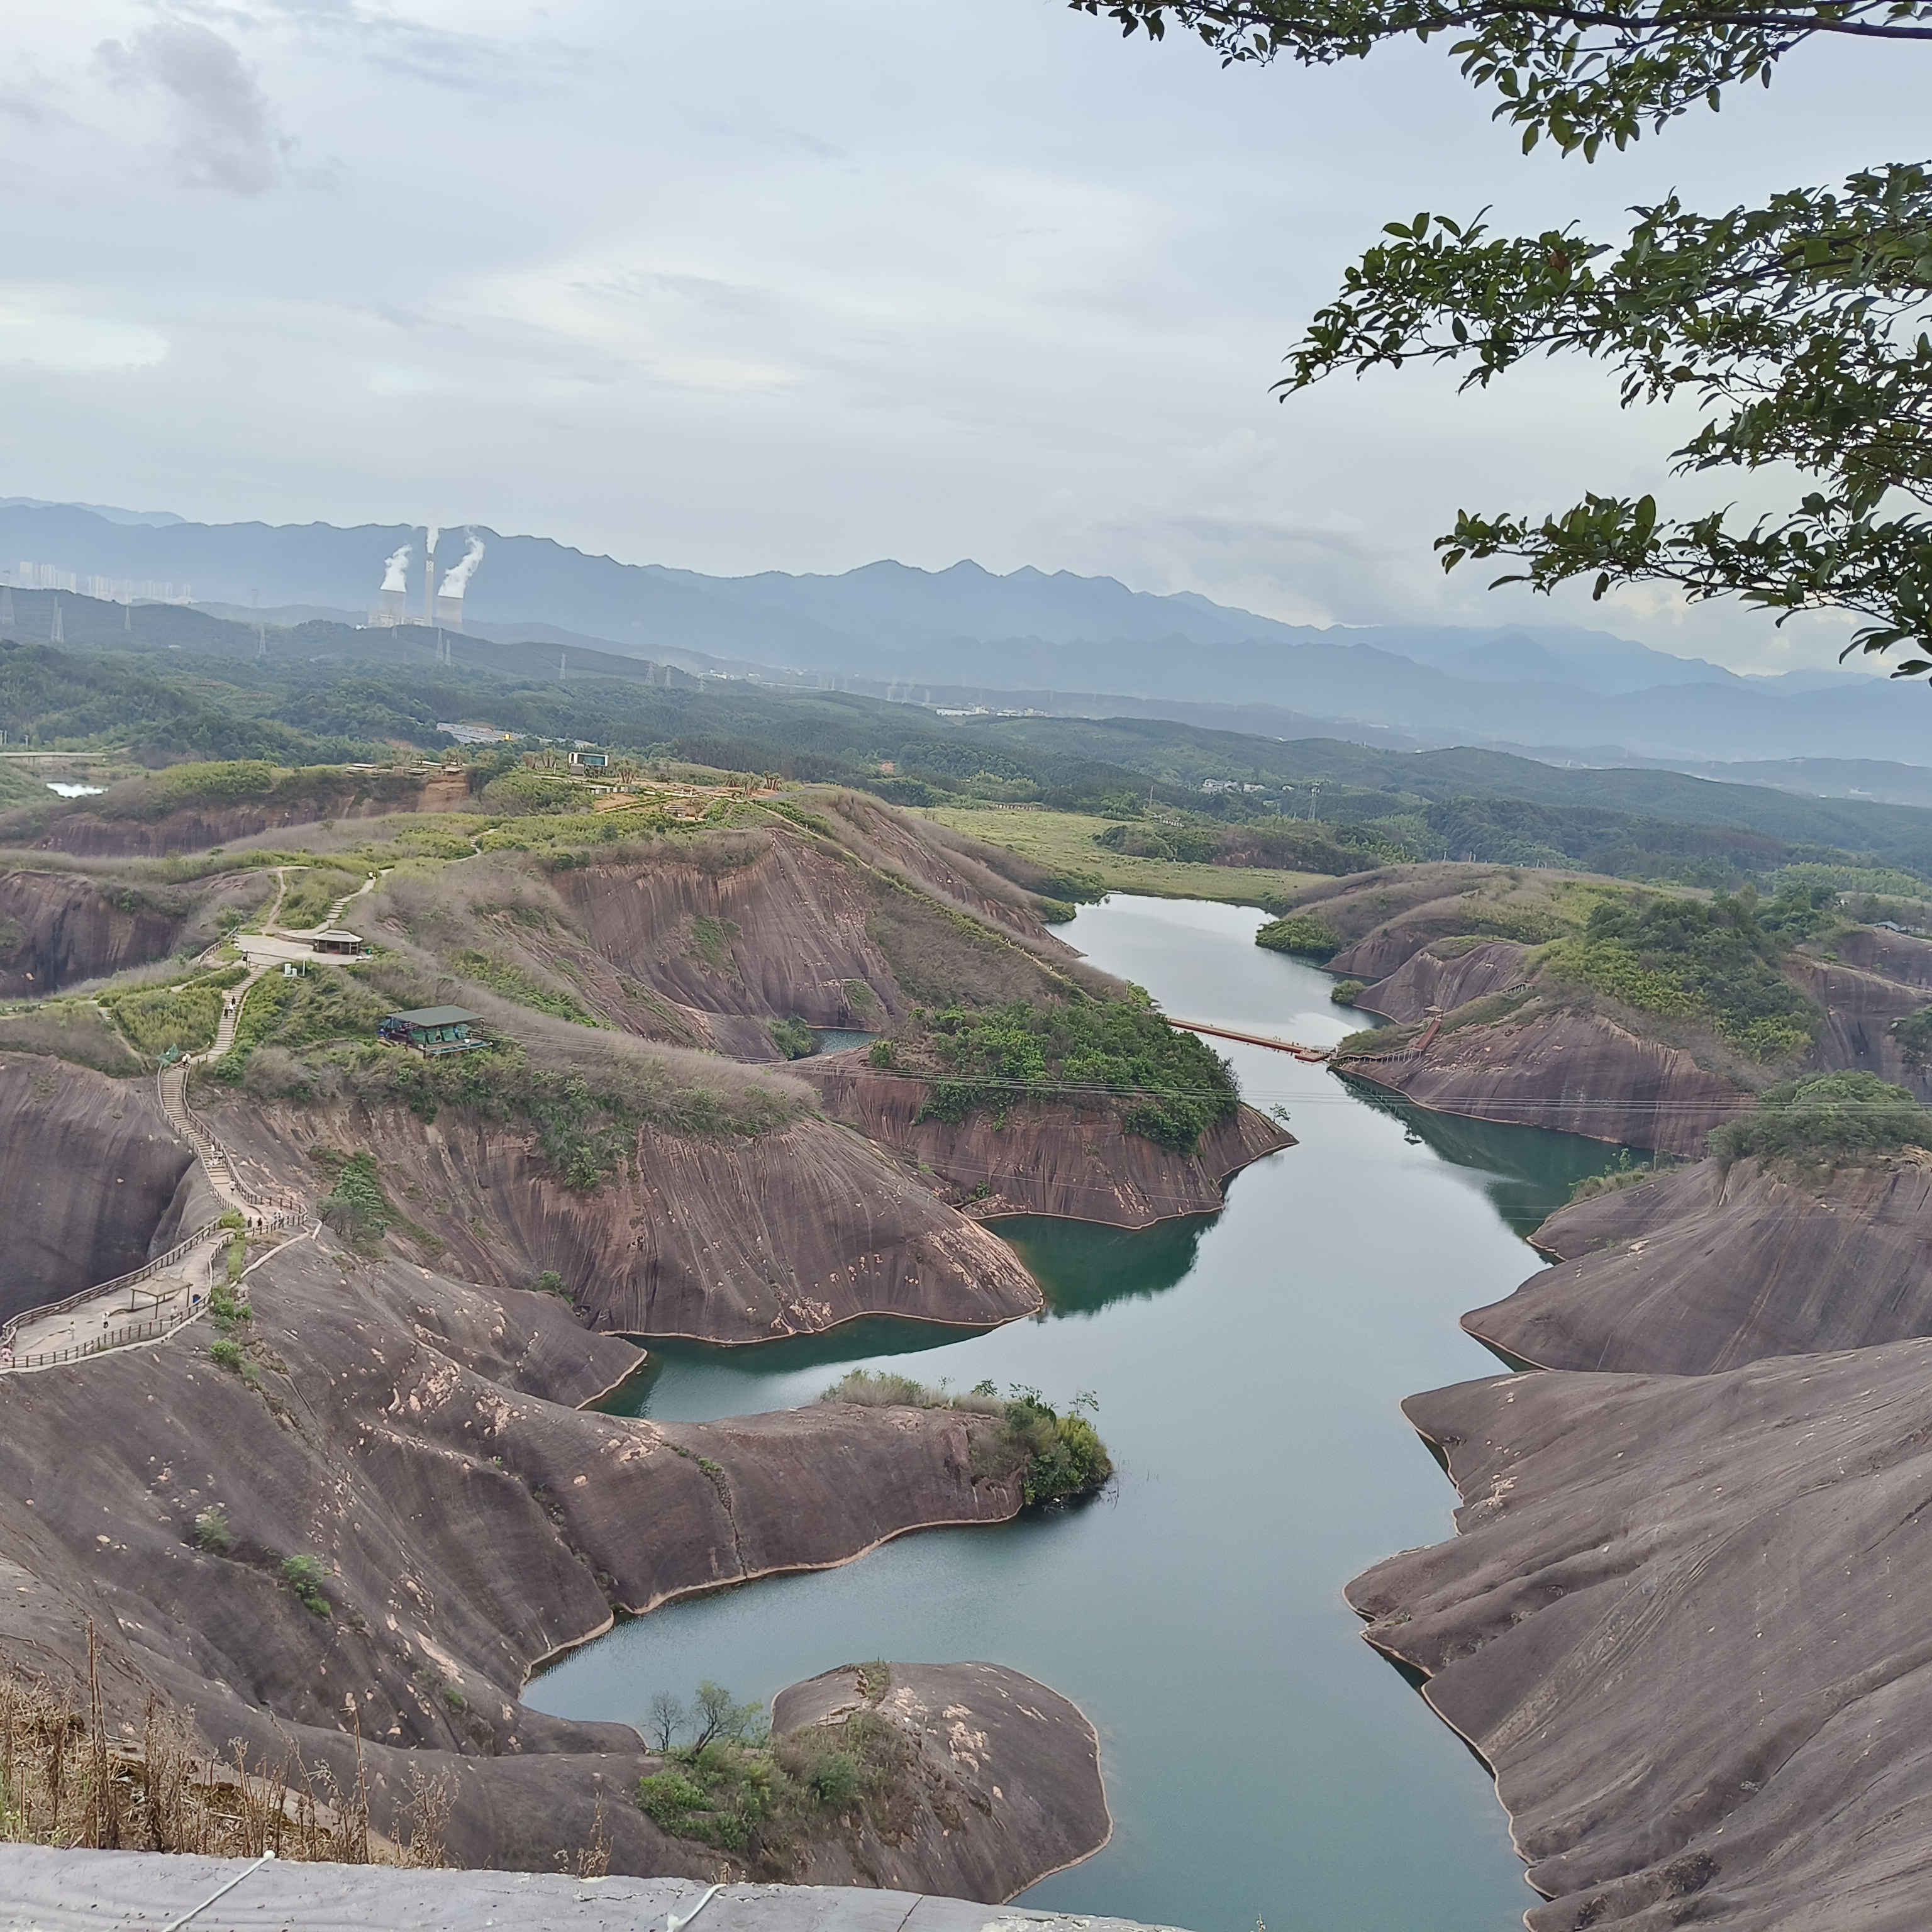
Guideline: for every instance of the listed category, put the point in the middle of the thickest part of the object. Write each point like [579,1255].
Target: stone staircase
[224,1172]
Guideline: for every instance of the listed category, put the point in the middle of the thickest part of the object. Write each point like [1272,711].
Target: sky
[792,286]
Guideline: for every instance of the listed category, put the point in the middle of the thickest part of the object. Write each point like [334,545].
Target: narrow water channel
[1260,1761]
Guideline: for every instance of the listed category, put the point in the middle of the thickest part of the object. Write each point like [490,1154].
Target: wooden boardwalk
[1314,1055]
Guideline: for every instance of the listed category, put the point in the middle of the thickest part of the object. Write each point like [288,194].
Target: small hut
[433,1029]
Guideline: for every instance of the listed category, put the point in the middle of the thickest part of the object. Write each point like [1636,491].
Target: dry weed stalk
[66,1780]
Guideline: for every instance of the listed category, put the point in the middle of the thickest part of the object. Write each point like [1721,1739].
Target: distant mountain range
[965,636]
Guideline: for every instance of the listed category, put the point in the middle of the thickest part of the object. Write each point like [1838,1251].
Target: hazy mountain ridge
[1035,640]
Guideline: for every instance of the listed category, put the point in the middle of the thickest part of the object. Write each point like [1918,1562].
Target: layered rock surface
[54,930]
[781,932]
[1684,1623]
[1004,1776]
[1044,1159]
[1441,977]
[1714,1266]
[731,1239]
[410,1431]
[94,1180]
[1568,1069]
[84,829]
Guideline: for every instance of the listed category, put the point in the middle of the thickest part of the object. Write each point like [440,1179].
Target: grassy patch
[72,1030]
[304,1576]
[356,1206]
[1168,1087]
[515,983]
[711,943]
[312,891]
[181,1018]
[1685,958]
[1061,1456]
[585,1121]
[326,1003]
[727,1784]
[1626,1173]
[1300,933]
[1065,844]
[794,1039]
[1832,1120]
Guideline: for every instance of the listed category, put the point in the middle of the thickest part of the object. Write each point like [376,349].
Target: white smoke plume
[457,581]
[429,548]
[396,571]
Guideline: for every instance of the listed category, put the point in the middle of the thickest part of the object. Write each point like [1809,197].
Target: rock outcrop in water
[1002,1775]
[411,1432]
[1684,1622]
[1044,1159]
[1716,1265]
[1564,1068]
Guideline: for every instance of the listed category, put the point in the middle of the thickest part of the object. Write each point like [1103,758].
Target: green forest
[201,690]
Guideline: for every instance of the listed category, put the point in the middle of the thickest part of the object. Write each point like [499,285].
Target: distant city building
[108,589]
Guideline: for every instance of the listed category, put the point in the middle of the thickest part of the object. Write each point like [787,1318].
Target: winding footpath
[172,1288]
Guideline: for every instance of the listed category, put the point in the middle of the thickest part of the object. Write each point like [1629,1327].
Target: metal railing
[102,1344]
[209,1144]
[132,1279]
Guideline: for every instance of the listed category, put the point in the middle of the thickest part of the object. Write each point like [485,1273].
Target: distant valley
[964,638]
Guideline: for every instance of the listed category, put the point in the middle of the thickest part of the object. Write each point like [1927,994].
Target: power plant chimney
[449,599]
[393,602]
[429,576]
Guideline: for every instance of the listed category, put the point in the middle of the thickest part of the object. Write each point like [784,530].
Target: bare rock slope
[1683,1621]
[732,1239]
[1002,1775]
[411,1432]
[1572,1070]
[1046,1159]
[1717,1265]
[54,930]
[94,1180]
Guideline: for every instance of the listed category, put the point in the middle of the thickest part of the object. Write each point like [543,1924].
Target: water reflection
[1260,1760]
[1527,1172]
[1082,1269]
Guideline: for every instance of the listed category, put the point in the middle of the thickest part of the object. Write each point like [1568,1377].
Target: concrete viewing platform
[62,1891]
[277,949]
[118,1316]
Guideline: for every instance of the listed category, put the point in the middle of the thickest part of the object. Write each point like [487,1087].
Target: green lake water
[1261,1761]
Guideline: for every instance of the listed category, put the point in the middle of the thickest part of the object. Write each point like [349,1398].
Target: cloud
[468,62]
[46,334]
[225,136]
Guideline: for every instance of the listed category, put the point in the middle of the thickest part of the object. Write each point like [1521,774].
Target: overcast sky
[795,284]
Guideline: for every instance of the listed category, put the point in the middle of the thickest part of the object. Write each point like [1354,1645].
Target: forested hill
[1050,641]
[161,683]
